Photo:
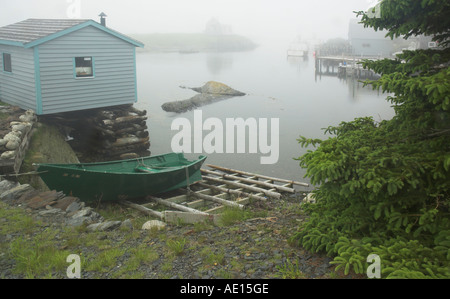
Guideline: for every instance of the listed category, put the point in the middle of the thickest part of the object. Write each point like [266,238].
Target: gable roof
[33,32]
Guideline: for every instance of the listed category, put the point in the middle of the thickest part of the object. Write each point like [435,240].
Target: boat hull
[120,180]
[297,53]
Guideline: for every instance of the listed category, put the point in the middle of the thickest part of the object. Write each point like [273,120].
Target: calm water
[276,87]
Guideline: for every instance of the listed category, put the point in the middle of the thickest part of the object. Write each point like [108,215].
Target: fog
[268,20]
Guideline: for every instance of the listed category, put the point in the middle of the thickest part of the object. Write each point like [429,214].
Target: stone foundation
[15,134]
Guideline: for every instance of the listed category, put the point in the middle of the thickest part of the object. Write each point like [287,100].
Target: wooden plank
[258,175]
[217,200]
[251,181]
[143,209]
[190,218]
[232,191]
[252,188]
[174,205]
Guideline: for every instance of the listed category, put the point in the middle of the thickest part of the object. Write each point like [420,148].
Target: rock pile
[211,92]
[56,207]
[124,133]
[15,135]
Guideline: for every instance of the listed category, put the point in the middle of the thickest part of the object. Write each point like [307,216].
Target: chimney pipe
[102,19]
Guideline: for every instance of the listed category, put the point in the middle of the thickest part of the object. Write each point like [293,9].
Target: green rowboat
[124,179]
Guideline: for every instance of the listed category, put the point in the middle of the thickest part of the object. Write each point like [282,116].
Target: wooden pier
[221,187]
[343,67]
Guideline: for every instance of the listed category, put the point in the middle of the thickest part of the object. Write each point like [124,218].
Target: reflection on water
[218,63]
[276,87]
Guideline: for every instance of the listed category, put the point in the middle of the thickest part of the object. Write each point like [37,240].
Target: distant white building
[214,27]
[367,41]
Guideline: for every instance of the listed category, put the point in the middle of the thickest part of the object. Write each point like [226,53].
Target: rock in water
[217,88]
[210,93]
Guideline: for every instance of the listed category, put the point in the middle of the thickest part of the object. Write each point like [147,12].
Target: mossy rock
[47,145]
[217,88]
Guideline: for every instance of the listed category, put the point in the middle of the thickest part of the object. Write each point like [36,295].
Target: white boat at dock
[298,49]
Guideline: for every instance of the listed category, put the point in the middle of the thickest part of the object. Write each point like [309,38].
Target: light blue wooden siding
[18,88]
[114,69]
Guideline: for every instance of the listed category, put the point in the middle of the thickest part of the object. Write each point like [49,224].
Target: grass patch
[141,255]
[211,257]
[38,257]
[176,246]
[290,270]
[231,215]
[105,261]
[22,222]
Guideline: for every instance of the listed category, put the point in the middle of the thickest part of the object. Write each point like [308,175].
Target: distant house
[214,27]
[368,42]
[52,66]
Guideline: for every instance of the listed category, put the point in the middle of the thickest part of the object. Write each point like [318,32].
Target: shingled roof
[31,32]
[34,29]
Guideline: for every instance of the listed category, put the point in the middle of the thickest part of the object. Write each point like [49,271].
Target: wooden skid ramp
[221,187]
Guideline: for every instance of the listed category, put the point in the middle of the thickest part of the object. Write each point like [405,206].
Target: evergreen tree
[384,187]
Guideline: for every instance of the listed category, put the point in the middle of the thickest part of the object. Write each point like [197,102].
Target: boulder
[50,212]
[211,92]
[127,224]
[29,116]
[65,202]
[153,224]
[12,145]
[6,185]
[84,216]
[43,199]
[310,198]
[16,192]
[104,226]
[75,206]
[217,88]
[21,127]
[12,136]
[8,155]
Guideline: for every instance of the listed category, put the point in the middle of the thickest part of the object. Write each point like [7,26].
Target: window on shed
[84,67]
[7,67]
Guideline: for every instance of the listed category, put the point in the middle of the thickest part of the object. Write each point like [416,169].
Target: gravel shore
[256,247]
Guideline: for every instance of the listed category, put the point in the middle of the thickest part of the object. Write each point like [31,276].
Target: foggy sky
[267,19]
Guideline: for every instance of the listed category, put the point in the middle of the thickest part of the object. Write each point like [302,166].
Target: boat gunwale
[68,167]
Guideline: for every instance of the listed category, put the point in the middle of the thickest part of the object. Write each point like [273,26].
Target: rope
[187,181]
[23,174]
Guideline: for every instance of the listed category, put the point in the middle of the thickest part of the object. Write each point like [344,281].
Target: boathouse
[62,65]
